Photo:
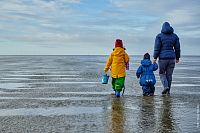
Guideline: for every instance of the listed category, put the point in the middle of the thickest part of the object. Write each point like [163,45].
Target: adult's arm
[157,47]
[177,49]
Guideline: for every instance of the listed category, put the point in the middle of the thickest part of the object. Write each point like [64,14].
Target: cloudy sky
[46,27]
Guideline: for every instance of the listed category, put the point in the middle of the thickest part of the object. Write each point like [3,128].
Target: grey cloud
[167,9]
[45,23]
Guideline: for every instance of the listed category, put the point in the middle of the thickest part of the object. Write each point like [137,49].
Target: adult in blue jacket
[167,49]
[146,75]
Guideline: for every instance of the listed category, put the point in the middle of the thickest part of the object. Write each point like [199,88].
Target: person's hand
[154,61]
[105,73]
[177,61]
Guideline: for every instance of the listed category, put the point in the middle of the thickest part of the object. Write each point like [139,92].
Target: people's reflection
[147,118]
[166,118]
[117,115]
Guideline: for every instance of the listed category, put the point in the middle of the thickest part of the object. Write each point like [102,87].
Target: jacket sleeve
[157,47]
[155,67]
[177,49]
[139,72]
[126,58]
[108,63]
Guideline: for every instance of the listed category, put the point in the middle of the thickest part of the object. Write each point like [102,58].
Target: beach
[64,94]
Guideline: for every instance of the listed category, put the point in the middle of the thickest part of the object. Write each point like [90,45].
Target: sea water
[65,94]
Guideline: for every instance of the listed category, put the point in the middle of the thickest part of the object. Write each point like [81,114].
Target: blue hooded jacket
[167,44]
[145,72]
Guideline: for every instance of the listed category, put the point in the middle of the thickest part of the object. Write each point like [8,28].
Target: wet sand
[64,94]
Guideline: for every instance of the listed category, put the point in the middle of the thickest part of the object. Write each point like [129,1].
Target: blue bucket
[105,79]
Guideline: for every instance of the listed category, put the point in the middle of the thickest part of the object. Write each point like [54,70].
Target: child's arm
[108,63]
[139,72]
[126,58]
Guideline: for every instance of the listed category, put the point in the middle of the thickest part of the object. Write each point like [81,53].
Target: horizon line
[77,55]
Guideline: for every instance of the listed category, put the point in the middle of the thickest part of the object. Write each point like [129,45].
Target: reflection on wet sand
[166,121]
[117,116]
[146,116]
[153,115]
[64,94]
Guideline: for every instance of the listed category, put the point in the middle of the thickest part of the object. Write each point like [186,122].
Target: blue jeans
[166,68]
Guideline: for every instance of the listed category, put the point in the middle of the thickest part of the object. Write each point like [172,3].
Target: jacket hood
[146,62]
[166,28]
[118,51]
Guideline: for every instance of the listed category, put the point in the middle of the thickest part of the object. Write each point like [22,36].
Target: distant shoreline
[86,55]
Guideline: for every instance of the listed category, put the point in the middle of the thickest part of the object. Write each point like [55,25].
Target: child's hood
[118,51]
[146,62]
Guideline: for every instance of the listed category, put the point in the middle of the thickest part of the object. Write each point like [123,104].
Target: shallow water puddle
[58,98]
[44,75]
[21,85]
[28,78]
[11,85]
[181,85]
[69,82]
[50,111]
[86,93]
[71,98]
[182,77]
[186,68]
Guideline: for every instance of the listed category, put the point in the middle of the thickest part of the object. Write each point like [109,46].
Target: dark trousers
[148,90]
[166,68]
